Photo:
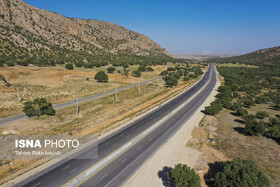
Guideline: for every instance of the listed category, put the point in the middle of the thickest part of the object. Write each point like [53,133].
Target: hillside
[270,56]
[40,35]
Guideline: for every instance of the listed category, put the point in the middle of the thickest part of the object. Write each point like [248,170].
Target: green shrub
[149,69]
[37,107]
[254,128]
[142,69]
[101,76]
[69,66]
[262,114]
[183,176]
[214,108]
[241,173]
[241,112]
[137,73]
[111,69]
[171,81]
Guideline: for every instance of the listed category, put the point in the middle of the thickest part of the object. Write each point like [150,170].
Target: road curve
[22,116]
[118,170]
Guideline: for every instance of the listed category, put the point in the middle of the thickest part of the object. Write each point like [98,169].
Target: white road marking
[104,176]
[73,170]
[114,145]
[139,148]
[66,167]
[123,160]
[107,143]
[36,184]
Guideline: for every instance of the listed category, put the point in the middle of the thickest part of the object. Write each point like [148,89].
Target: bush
[22,63]
[186,79]
[171,69]
[38,107]
[262,114]
[214,108]
[69,66]
[149,69]
[241,173]
[241,112]
[111,69]
[101,76]
[184,176]
[171,81]
[10,63]
[254,128]
[137,73]
[142,69]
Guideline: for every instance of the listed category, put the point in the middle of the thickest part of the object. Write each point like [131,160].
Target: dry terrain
[222,138]
[57,84]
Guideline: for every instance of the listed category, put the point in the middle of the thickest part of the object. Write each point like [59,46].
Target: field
[232,141]
[58,85]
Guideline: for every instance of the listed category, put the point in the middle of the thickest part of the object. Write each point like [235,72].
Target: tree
[262,114]
[101,76]
[37,107]
[69,66]
[149,69]
[142,69]
[171,69]
[137,73]
[241,173]
[214,108]
[254,128]
[241,111]
[111,69]
[184,176]
[171,81]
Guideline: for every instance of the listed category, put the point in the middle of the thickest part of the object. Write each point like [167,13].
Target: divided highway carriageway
[123,152]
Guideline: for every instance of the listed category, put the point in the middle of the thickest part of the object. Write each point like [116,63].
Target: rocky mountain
[29,31]
[269,56]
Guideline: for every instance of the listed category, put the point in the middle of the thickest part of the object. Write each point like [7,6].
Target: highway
[22,116]
[123,152]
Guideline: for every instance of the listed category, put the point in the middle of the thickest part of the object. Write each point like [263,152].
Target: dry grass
[234,143]
[57,84]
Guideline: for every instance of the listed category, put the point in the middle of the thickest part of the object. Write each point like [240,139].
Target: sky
[185,26]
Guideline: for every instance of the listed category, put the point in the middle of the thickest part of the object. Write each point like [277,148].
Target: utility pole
[183,74]
[18,93]
[77,101]
[139,87]
[116,96]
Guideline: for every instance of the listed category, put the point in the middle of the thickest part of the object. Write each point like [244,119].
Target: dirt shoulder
[172,152]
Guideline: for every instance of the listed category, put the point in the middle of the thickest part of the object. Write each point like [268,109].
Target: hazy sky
[185,26]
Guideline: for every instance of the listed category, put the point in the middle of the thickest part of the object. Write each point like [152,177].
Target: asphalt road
[124,165]
[22,116]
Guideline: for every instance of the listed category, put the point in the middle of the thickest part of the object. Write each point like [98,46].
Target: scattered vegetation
[38,107]
[241,173]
